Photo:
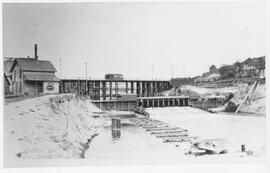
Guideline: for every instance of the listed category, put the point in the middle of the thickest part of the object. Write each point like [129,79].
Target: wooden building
[31,76]
[7,76]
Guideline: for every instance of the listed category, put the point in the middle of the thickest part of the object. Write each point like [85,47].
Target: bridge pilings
[163,101]
[110,89]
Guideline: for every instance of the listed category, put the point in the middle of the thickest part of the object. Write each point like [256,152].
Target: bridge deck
[111,80]
[163,97]
[131,104]
[99,89]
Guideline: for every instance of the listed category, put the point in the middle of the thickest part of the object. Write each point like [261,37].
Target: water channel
[138,146]
[134,145]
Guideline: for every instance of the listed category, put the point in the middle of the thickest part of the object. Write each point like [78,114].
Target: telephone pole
[152,72]
[85,78]
[171,71]
[60,75]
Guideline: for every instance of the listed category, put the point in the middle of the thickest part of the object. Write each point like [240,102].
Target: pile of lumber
[163,130]
[170,134]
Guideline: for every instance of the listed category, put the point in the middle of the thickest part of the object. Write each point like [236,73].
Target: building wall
[262,73]
[33,87]
[17,80]
[50,87]
[7,86]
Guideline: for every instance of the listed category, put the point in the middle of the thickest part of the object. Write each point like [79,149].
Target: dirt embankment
[257,101]
[255,105]
[239,91]
[49,127]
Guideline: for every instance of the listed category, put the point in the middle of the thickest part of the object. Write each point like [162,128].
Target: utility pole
[85,78]
[152,89]
[184,70]
[171,71]
[60,75]
[152,72]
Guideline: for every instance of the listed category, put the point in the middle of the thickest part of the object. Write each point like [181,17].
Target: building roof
[30,64]
[7,67]
[9,81]
[40,76]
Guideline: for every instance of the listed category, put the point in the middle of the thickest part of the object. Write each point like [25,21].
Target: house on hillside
[31,76]
[252,67]
[262,73]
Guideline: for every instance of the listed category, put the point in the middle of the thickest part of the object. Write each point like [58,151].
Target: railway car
[114,77]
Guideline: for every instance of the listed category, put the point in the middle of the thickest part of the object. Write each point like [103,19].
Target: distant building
[262,73]
[114,77]
[31,76]
[252,68]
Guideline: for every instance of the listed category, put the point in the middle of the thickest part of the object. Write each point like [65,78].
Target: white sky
[128,38]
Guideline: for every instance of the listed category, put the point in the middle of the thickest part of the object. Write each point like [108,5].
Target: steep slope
[48,127]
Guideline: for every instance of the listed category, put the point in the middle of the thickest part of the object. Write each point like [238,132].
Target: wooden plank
[163,129]
[181,138]
[155,126]
[171,131]
[172,135]
[248,95]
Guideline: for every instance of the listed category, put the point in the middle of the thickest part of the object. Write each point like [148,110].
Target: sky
[139,40]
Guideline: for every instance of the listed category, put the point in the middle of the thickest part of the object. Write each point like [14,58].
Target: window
[20,73]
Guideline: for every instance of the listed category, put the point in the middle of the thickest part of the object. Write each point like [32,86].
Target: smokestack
[36,56]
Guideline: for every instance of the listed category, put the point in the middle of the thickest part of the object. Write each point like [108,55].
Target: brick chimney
[36,56]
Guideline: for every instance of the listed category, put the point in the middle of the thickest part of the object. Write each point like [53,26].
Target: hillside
[248,69]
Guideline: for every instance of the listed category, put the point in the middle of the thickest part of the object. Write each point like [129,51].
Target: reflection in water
[116,134]
[116,128]
[132,142]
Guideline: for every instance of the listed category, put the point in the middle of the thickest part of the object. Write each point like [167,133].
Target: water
[134,144]
[137,146]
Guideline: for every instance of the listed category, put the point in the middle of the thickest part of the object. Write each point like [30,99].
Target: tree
[212,69]
[227,71]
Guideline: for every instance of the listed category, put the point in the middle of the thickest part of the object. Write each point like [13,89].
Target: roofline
[13,64]
[15,61]
[39,71]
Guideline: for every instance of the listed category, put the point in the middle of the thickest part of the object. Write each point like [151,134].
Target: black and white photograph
[134,83]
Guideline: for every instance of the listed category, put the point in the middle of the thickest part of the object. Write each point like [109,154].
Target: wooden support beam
[110,88]
[143,89]
[116,89]
[146,89]
[104,90]
[163,102]
[132,87]
[138,89]
[126,87]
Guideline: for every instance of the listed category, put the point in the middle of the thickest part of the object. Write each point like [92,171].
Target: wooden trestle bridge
[112,89]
